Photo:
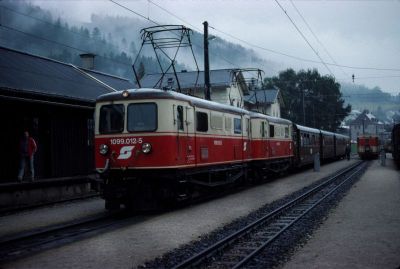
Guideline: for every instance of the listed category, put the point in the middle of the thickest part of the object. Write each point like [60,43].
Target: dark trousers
[26,160]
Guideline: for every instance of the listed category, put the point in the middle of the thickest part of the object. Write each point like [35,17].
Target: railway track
[17,209]
[242,247]
[41,239]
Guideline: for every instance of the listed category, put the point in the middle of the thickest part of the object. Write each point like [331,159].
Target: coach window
[179,111]
[111,119]
[237,125]
[286,132]
[201,122]
[142,117]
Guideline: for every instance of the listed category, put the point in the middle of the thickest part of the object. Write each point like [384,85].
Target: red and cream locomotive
[156,145]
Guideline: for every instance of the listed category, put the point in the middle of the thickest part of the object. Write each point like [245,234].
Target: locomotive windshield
[142,117]
[111,119]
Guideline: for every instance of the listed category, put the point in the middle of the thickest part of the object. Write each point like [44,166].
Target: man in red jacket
[27,148]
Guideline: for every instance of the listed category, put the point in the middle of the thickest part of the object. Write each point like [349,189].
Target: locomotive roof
[269,118]
[148,93]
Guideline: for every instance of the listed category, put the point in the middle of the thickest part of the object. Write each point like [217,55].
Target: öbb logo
[125,152]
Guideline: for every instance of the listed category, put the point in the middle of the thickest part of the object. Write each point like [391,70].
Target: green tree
[310,99]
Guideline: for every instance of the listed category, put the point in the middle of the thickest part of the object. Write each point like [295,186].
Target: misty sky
[355,33]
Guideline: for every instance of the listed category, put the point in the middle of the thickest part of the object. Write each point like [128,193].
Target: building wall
[275,110]
[368,129]
[221,95]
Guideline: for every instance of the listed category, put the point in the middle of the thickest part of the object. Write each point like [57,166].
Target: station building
[55,102]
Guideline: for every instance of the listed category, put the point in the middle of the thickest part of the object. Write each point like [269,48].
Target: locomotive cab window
[228,124]
[142,117]
[111,119]
[201,122]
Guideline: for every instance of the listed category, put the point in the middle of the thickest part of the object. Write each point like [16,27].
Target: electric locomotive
[154,145]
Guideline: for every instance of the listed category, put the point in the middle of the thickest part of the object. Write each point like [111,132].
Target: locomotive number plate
[126,141]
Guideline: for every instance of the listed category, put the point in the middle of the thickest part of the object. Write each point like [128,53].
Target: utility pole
[207,90]
[304,110]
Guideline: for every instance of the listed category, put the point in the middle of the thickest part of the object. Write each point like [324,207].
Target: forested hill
[115,41]
[361,97]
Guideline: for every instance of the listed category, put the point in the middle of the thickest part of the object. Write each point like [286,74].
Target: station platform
[25,194]
[363,231]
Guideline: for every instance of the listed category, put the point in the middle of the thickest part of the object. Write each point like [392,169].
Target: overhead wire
[288,55]
[315,36]
[199,30]
[305,38]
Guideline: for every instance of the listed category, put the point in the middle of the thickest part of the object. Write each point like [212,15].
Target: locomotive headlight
[146,148]
[125,94]
[103,149]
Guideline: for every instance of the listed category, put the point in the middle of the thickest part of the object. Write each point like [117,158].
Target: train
[396,143]
[368,147]
[155,145]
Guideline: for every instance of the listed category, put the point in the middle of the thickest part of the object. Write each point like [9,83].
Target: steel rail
[229,240]
[20,244]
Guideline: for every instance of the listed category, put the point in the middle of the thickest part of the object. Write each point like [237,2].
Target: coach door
[182,124]
[190,135]
[247,139]
[264,140]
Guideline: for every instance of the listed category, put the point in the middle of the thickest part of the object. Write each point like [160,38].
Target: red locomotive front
[368,147]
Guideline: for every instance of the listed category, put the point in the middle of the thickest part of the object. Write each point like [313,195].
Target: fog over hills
[116,41]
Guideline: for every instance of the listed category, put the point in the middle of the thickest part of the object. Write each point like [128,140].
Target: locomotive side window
[201,122]
[271,131]
[237,125]
[180,117]
[216,121]
[228,124]
[263,131]
[142,117]
[111,119]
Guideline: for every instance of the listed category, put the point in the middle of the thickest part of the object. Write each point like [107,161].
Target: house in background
[227,85]
[55,102]
[266,101]
[365,124]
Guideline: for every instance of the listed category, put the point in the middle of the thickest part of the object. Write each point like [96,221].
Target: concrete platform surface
[364,230]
